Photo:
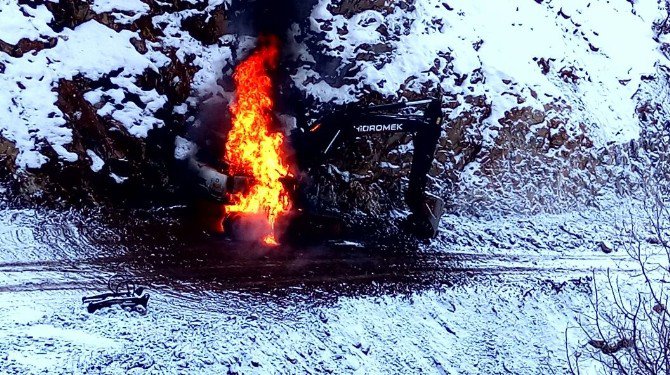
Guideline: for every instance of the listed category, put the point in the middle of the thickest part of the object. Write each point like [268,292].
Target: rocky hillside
[550,103]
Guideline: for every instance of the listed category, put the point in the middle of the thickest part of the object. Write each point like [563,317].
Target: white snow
[71,335]
[24,315]
[181,109]
[512,35]
[96,161]
[29,116]
[500,317]
[183,148]
[124,12]
[506,313]
[135,6]
[210,59]
[138,121]
[118,179]
[21,21]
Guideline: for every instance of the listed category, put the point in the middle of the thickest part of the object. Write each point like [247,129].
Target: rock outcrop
[102,96]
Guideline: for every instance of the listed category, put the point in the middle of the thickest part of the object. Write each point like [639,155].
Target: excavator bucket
[425,221]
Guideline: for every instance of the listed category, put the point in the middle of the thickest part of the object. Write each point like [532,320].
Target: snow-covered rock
[532,89]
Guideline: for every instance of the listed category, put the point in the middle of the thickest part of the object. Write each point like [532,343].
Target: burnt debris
[123,291]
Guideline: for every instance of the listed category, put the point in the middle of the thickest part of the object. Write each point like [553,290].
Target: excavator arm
[313,142]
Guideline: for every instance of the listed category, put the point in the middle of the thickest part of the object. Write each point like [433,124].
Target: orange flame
[254,146]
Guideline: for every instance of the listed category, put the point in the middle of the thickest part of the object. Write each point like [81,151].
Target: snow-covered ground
[469,329]
[490,296]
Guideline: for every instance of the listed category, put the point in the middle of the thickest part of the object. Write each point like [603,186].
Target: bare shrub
[628,328]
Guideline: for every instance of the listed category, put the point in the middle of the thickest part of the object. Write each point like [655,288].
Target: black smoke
[275,17]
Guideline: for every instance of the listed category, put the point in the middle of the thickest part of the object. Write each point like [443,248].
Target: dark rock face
[25,46]
[348,8]
[207,28]
[147,166]
[70,13]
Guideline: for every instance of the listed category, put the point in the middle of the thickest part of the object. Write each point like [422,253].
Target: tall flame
[254,146]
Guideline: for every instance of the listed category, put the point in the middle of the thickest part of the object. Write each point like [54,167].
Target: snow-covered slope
[607,46]
[531,87]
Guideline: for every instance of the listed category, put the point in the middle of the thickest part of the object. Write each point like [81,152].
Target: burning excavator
[257,179]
